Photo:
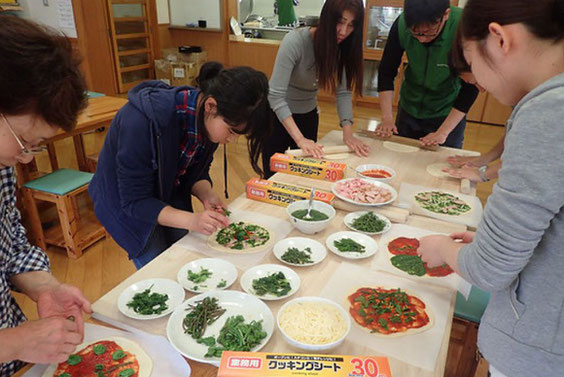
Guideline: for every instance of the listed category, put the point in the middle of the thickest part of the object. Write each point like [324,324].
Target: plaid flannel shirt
[17,256]
[192,144]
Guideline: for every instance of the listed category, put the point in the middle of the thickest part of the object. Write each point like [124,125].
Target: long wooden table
[410,167]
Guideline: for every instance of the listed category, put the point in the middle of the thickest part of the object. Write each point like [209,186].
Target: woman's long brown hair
[331,59]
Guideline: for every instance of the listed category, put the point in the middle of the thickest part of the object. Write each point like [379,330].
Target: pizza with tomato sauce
[403,256]
[113,357]
[389,312]
[241,237]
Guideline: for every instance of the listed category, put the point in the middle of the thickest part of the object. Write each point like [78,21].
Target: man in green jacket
[433,99]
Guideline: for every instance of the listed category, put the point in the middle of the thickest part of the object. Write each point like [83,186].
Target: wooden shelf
[132,36]
[192,28]
[89,231]
[129,19]
[134,52]
[136,68]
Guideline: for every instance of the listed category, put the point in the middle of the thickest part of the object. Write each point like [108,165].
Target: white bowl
[361,168]
[310,227]
[368,242]
[264,270]
[221,270]
[318,251]
[371,182]
[174,291]
[353,215]
[314,347]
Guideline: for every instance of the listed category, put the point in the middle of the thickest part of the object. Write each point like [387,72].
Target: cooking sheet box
[264,364]
[282,194]
[308,167]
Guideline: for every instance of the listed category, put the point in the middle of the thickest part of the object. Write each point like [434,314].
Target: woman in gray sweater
[515,49]
[328,56]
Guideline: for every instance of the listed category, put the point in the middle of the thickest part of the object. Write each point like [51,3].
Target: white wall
[49,15]
[163,16]
[306,7]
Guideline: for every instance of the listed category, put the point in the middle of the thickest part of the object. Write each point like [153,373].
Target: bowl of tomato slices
[376,172]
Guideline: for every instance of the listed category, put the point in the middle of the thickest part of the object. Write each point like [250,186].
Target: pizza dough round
[436,170]
[337,156]
[397,147]
[213,244]
[420,206]
[129,346]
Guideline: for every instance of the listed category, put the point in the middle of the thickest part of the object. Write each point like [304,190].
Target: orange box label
[264,364]
[282,194]
[307,167]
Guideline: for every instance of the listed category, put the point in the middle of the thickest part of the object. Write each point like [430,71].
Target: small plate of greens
[352,245]
[367,222]
[299,251]
[206,325]
[150,299]
[270,281]
[207,274]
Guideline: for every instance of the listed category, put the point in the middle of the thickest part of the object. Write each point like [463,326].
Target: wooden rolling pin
[465,186]
[399,140]
[327,150]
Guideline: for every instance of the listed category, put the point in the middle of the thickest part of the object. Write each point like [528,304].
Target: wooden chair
[62,187]
[92,162]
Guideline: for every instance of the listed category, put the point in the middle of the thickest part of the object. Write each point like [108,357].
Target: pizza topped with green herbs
[442,203]
[241,237]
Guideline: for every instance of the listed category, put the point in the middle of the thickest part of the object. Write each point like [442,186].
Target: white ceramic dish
[235,303]
[221,270]
[314,347]
[368,242]
[372,182]
[310,227]
[318,251]
[362,168]
[348,220]
[174,291]
[263,270]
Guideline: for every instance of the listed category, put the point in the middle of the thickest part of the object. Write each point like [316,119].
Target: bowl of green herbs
[150,299]
[321,215]
[367,222]
[270,281]
[299,251]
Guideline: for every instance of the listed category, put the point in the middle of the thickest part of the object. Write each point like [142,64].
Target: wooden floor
[105,264]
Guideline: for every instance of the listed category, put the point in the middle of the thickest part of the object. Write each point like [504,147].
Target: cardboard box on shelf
[172,54]
[176,73]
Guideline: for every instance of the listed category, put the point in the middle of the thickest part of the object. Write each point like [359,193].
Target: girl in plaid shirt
[41,90]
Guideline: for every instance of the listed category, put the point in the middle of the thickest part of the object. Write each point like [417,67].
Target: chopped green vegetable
[119,354]
[64,375]
[147,303]
[74,359]
[412,264]
[315,215]
[126,373]
[369,223]
[236,335]
[209,341]
[201,314]
[297,256]
[222,284]
[442,203]
[199,277]
[276,284]
[99,367]
[99,349]
[348,245]
[239,235]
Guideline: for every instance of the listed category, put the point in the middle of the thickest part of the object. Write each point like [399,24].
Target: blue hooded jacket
[138,163]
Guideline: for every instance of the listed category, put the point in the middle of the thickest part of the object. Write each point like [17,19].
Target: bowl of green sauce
[321,215]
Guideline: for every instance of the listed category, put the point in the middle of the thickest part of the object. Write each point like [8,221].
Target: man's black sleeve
[466,97]
[391,60]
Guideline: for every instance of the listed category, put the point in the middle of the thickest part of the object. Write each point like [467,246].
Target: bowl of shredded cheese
[313,323]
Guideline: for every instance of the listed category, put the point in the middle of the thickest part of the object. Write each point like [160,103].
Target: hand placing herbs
[297,256]
[203,313]
[199,277]
[369,223]
[276,284]
[147,303]
[348,245]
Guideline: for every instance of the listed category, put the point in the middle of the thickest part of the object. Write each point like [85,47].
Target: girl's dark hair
[39,73]
[241,96]
[543,18]
[331,59]
[421,12]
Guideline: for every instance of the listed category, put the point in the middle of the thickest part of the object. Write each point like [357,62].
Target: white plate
[174,291]
[235,303]
[318,251]
[263,270]
[353,215]
[366,241]
[220,269]
[372,182]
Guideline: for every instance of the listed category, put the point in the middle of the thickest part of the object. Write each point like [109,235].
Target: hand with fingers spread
[466,161]
[208,222]
[310,148]
[434,138]
[387,128]
[356,145]
[45,341]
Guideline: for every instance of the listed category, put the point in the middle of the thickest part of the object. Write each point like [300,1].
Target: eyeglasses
[436,30]
[25,151]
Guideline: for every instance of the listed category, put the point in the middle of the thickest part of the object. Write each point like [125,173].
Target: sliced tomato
[404,245]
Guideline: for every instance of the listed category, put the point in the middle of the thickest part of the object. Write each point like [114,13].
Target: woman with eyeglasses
[433,100]
[327,56]
[158,153]
[41,91]
[515,49]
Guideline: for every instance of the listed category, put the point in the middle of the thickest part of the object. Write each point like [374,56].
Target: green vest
[429,89]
